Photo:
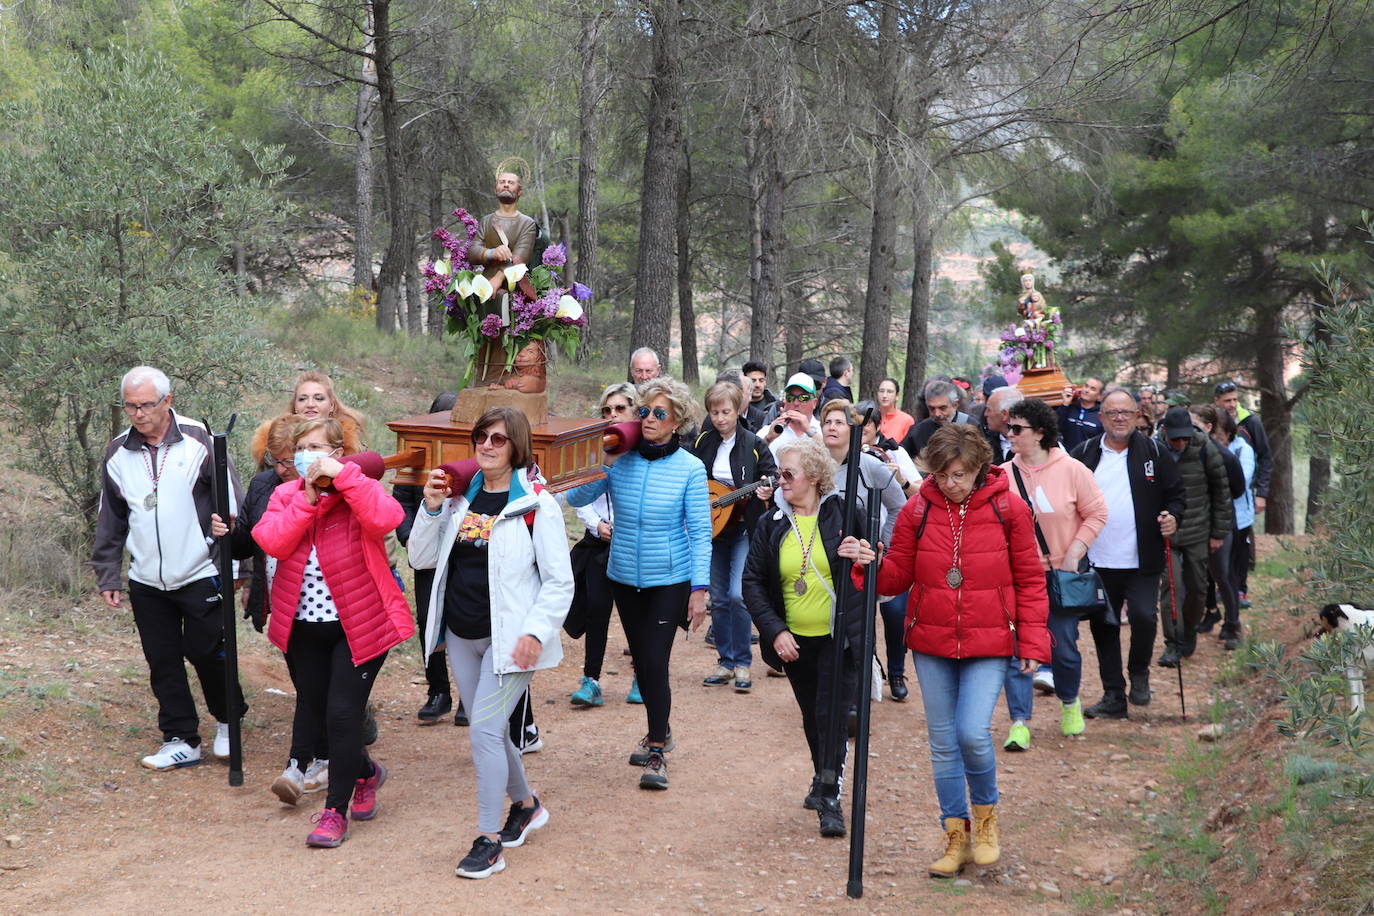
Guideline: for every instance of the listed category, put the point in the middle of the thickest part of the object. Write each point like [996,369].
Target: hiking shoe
[365,794]
[460,717]
[1229,641]
[812,802]
[533,742]
[173,755]
[317,776]
[633,696]
[896,685]
[655,771]
[1043,682]
[1243,599]
[331,829]
[1111,706]
[743,682]
[220,747]
[370,727]
[641,756]
[1169,659]
[831,817]
[710,637]
[290,785]
[1071,719]
[1018,738]
[588,693]
[521,821]
[1209,620]
[1140,690]
[483,860]
[435,708]
[722,675]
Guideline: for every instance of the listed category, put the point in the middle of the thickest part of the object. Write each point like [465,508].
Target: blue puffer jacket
[662,519]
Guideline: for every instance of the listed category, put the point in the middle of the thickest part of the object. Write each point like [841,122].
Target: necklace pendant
[954,578]
[150,501]
[800,586]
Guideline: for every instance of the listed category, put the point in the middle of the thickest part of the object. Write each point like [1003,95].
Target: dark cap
[1178,423]
[992,383]
[1175,398]
[814,368]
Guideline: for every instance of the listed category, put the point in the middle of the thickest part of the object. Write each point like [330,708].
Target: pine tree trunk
[415,295]
[878,296]
[1277,418]
[1318,465]
[590,90]
[687,315]
[362,159]
[398,249]
[655,269]
[918,325]
[767,198]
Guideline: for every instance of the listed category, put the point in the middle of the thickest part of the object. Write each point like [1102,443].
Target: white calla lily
[514,273]
[443,268]
[569,308]
[465,287]
[481,287]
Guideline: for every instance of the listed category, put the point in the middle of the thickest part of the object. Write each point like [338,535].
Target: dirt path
[729,836]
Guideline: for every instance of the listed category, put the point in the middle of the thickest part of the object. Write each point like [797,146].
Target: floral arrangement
[1031,343]
[553,314]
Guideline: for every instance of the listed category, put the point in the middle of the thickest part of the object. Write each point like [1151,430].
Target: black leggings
[436,666]
[813,684]
[650,617]
[328,685]
[597,587]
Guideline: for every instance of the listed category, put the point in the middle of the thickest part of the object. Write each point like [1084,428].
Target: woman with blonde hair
[313,396]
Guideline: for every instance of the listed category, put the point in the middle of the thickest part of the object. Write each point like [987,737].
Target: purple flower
[555,256]
[492,325]
[433,283]
[581,293]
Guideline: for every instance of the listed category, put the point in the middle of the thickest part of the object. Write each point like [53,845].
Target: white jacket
[528,570]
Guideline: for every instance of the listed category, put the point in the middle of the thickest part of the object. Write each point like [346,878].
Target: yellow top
[808,614]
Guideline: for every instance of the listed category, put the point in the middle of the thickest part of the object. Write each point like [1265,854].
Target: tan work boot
[958,852]
[986,849]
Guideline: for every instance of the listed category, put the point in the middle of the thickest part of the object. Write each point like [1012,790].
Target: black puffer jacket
[763,586]
[254,505]
[1208,511]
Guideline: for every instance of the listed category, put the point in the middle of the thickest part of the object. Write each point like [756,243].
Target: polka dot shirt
[315,605]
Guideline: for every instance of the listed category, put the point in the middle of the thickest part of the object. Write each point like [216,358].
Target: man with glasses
[156,499]
[1226,396]
[796,417]
[1145,503]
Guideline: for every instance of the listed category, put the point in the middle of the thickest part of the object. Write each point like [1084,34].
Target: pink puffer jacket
[346,529]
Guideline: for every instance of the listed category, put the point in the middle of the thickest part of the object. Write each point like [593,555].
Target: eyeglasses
[1118,414]
[498,440]
[787,476]
[1017,429]
[658,412]
[614,408]
[283,463]
[132,409]
[799,398]
[958,478]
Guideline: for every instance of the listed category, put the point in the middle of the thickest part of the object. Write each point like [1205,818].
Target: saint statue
[1031,305]
[505,237]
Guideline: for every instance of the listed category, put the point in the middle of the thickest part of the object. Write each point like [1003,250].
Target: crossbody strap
[1021,485]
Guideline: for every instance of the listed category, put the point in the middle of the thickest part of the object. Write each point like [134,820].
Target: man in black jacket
[1145,503]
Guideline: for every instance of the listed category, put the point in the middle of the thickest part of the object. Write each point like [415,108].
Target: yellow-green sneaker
[1071,719]
[1018,739]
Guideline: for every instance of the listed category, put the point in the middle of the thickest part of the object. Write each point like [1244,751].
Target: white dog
[1348,617]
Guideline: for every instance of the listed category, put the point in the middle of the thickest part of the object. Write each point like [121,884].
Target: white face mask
[306,458]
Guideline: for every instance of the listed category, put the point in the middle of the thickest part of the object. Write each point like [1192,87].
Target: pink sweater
[1066,499]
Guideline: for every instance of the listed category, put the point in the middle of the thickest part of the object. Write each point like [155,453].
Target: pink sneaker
[364,806]
[330,831]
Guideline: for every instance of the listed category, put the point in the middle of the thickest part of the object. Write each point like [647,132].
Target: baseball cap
[1175,398]
[1178,423]
[803,381]
[992,383]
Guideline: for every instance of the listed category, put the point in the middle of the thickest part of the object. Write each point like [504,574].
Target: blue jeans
[1065,662]
[730,622]
[959,697]
[894,633]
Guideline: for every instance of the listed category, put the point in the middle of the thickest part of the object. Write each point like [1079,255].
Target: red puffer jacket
[1001,607]
[346,529]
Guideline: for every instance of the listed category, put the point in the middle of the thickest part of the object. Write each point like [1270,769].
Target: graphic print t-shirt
[467,590]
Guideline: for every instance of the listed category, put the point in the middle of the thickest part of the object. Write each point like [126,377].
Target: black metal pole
[855,888]
[832,752]
[225,562]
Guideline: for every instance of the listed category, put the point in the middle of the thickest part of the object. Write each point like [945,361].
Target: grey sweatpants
[489,699]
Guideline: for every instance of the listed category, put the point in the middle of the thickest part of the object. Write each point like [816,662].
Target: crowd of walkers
[985,496]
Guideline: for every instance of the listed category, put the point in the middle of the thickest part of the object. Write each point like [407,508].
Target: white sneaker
[173,755]
[290,785]
[316,776]
[221,747]
[534,742]
[1043,680]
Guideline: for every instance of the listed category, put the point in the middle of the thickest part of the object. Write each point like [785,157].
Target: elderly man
[644,365]
[996,413]
[796,419]
[156,499]
[1145,503]
[942,400]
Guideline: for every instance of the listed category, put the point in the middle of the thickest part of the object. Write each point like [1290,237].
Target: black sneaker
[896,685]
[1230,640]
[640,757]
[483,860]
[655,771]
[1111,706]
[812,802]
[1209,620]
[435,708]
[460,717]
[1140,690]
[521,821]
[1169,659]
[831,817]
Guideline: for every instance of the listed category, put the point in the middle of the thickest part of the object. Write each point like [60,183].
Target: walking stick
[855,888]
[225,563]
[1173,615]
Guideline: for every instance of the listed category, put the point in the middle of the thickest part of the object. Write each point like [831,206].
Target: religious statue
[1031,305]
[531,370]
[505,236]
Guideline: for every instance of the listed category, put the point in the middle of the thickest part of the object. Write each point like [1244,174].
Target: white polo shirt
[1116,547]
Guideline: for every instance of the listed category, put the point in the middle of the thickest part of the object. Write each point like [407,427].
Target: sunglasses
[615,408]
[788,476]
[658,412]
[1017,429]
[802,398]
[1226,387]
[498,440]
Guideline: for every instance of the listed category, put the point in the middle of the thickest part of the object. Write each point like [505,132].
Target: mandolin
[725,502]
